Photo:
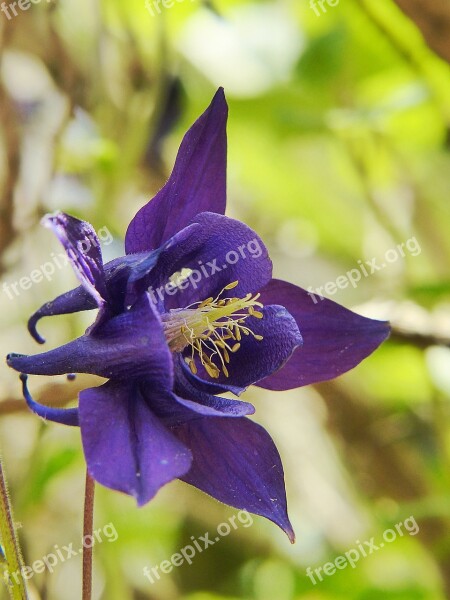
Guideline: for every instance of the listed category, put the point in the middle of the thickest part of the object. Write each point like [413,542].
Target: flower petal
[173,410]
[83,248]
[117,276]
[236,462]
[164,405]
[74,301]
[213,406]
[64,416]
[188,403]
[197,183]
[222,251]
[204,403]
[126,446]
[208,386]
[141,273]
[255,359]
[335,339]
[125,279]
[128,346]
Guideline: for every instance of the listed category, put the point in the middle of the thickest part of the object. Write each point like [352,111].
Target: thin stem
[13,557]
[419,339]
[88,525]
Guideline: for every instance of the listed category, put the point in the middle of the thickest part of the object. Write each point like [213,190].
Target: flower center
[212,329]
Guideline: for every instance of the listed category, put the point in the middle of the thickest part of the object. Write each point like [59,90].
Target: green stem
[13,570]
[88,526]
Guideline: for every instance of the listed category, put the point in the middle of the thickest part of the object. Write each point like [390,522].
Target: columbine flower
[169,343]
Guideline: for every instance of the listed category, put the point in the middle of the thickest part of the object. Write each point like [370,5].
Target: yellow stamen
[207,327]
[206,302]
[226,356]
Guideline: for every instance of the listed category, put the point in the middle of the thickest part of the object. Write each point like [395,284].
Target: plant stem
[88,525]
[13,557]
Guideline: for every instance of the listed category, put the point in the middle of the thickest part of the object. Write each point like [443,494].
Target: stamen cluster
[213,329]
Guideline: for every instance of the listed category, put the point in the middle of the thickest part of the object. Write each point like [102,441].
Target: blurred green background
[338,152]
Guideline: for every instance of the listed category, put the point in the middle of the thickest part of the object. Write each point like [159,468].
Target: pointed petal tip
[82,246]
[335,339]
[197,183]
[58,217]
[219,103]
[47,219]
[138,494]
[220,96]
[378,330]
[283,522]
[291,534]
[386,326]
[141,501]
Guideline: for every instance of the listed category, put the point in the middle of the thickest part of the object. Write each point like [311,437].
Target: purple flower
[189,313]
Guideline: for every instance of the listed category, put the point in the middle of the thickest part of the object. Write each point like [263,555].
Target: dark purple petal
[202,402]
[213,406]
[128,346]
[64,416]
[141,273]
[126,446]
[335,339]
[74,301]
[208,386]
[236,462]
[223,250]
[197,183]
[255,359]
[188,403]
[125,279]
[118,273]
[174,410]
[164,405]
[83,248]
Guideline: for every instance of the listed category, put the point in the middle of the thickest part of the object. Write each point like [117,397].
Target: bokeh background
[338,152]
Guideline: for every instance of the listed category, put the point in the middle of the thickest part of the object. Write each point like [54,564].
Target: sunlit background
[338,153]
